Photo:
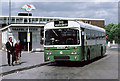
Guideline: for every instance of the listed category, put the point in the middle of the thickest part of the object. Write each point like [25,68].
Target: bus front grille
[61,57]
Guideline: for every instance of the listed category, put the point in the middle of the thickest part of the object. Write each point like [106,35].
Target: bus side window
[96,35]
[100,35]
[88,36]
[92,34]
[103,35]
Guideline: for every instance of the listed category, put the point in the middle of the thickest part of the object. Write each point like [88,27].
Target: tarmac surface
[34,67]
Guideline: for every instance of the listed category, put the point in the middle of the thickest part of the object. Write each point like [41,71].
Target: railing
[23,21]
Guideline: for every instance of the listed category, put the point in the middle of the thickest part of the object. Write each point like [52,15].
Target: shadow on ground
[15,64]
[74,64]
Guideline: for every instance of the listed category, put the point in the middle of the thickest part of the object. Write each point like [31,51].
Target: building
[19,26]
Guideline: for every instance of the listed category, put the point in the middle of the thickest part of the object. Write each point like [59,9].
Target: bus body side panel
[104,49]
[95,50]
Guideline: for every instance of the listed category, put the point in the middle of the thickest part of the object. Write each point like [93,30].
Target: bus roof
[72,24]
[91,27]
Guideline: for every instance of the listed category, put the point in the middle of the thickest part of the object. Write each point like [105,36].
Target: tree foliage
[113,32]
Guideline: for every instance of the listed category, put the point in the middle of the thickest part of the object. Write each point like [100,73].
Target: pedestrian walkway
[113,46]
[28,60]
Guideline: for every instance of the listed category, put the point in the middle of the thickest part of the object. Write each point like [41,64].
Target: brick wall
[99,23]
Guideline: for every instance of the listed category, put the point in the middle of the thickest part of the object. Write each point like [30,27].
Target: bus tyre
[101,51]
[88,55]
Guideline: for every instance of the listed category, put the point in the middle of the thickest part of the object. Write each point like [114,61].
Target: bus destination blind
[61,23]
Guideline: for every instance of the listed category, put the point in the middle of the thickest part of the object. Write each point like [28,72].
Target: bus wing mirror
[52,39]
[42,39]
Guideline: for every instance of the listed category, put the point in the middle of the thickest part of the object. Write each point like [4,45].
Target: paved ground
[104,68]
[0,64]
[28,60]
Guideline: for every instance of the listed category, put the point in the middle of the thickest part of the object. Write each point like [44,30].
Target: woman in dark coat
[17,49]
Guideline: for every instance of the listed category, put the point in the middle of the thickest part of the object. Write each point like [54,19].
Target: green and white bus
[73,41]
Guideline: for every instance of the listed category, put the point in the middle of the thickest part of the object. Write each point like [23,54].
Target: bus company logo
[61,52]
[28,7]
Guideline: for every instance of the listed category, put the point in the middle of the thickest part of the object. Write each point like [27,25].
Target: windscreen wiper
[54,32]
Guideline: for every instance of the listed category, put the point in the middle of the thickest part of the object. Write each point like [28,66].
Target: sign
[24,29]
[28,37]
[61,23]
[28,7]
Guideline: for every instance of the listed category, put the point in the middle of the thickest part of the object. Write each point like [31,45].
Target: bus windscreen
[66,36]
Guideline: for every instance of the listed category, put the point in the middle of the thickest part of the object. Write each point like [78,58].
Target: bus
[66,40]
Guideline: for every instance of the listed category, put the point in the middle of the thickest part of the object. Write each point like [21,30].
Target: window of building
[48,20]
[13,20]
[56,19]
[88,22]
[40,19]
[51,19]
[44,20]
[25,20]
[1,20]
[34,20]
[19,20]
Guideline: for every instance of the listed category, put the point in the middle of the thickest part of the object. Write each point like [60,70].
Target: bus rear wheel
[101,51]
[88,55]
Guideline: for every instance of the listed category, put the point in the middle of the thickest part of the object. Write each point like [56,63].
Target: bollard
[113,42]
[108,44]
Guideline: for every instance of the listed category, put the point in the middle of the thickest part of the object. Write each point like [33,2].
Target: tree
[118,33]
[113,31]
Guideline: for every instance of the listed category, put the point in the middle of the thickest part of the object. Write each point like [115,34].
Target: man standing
[10,51]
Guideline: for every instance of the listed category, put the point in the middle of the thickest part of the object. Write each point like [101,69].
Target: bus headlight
[74,52]
[75,57]
[48,58]
[49,53]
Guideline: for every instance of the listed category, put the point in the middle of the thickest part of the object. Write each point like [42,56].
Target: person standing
[10,51]
[17,48]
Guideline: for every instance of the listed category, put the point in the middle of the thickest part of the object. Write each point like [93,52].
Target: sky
[107,10]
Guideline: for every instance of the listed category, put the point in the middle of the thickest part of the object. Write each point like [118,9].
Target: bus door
[82,43]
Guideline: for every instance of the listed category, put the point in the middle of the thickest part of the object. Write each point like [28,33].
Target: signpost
[28,37]
[28,8]
[9,12]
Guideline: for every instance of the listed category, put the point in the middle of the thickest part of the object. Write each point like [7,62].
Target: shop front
[20,33]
